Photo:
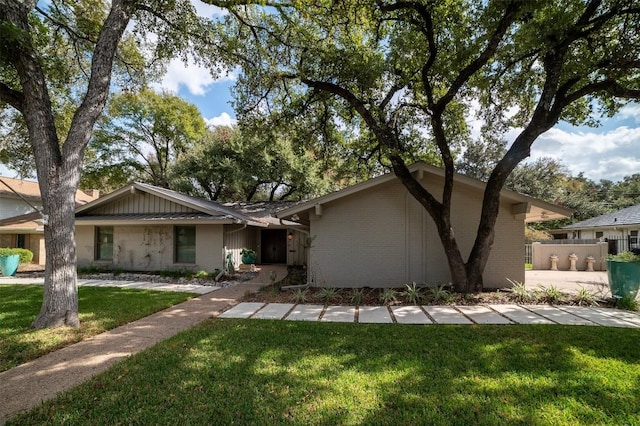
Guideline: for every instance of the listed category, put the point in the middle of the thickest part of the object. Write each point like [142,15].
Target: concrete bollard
[554,262]
[573,258]
[590,261]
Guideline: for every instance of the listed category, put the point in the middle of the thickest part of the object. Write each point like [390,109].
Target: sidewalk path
[477,314]
[27,385]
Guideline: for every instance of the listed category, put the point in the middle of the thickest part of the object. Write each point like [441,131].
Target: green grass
[298,373]
[100,309]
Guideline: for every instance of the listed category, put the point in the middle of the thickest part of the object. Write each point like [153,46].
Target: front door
[274,246]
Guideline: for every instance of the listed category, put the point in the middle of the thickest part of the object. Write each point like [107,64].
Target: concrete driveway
[570,282]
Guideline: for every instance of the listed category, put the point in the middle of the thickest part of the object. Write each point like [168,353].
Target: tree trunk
[60,303]
[58,165]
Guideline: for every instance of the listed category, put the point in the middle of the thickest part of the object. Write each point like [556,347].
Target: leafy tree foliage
[140,137]
[230,165]
[394,70]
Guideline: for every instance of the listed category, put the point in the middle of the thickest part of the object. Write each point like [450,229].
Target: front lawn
[100,308]
[280,372]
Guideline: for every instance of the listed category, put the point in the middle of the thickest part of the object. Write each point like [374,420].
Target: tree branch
[11,96]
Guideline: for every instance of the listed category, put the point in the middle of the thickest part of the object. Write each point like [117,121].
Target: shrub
[551,294]
[585,297]
[625,256]
[413,294]
[520,293]
[356,296]
[299,295]
[627,303]
[26,256]
[388,295]
[440,294]
[327,294]
[201,274]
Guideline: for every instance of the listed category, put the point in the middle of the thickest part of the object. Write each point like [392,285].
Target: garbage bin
[624,278]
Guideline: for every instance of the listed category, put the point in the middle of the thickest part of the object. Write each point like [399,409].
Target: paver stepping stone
[273,311]
[410,315]
[339,314]
[305,313]
[483,315]
[597,317]
[628,316]
[558,315]
[446,315]
[520,315]
[374,314]
[242,310]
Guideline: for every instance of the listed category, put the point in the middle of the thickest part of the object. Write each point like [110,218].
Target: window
[184,244]
[21,241]
[599,234]
[633,237]
[104,242]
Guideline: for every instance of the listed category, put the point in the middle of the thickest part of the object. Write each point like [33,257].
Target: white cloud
[223,119]
[207,10]
[631,110]
[608,155]
[195,78]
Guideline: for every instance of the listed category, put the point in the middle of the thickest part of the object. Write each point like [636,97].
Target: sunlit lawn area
[296,373]
[100,309]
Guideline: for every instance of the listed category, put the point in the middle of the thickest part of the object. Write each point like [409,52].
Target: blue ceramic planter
[9,264]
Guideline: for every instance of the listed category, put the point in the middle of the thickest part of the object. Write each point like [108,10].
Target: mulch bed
[375,296]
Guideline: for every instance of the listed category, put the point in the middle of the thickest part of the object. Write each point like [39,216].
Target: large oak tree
[400,68]
[56,68]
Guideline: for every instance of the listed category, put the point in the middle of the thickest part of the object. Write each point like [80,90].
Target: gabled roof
[31,191]
[24,224]
[210,210]
[264,211]
[535,210]
[628,216]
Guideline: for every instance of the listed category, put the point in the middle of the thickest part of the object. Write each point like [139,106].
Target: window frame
[177,247]
[97,255]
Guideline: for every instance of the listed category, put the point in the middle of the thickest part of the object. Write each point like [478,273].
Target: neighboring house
[375,234]
[20,218]
[621,226]
[147,228]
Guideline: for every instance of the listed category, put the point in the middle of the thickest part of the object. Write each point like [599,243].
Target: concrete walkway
[27,385]
[478,314]
[596,282]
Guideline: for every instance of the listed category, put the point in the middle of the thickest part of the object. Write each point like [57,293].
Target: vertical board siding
[236,238]
[141,204]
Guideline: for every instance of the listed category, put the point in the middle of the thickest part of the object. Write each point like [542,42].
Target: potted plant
[623,270]
[248,256]
[9,261]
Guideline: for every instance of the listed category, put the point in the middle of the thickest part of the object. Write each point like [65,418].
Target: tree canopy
[144,133]
[403,76]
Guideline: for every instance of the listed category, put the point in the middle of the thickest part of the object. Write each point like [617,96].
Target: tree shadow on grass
[280,372]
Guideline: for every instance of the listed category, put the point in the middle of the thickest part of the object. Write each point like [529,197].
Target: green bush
[26,256]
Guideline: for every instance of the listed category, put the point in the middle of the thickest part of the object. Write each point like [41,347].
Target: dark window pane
[104,243]
[185,244]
